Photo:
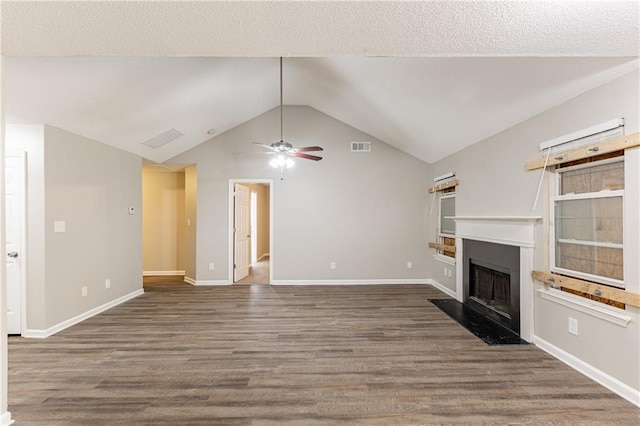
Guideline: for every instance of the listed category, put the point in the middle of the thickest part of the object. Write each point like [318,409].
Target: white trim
[263,256]
[598,128]
[5,419]
[625,391]
[442,288]
[590,243]
[444,176]
[202,283]
[589,307]
[509,230]
[605,193]
[230,225]
[161,273]
[353,282]
[444,259]
[41,334]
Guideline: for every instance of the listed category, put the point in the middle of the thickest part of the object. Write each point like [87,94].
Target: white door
[14,205]
[241,236]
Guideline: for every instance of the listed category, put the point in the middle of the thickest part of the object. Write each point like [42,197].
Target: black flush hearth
[491,281]
[485,328]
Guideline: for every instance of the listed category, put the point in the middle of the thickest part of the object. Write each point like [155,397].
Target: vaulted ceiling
[452,73]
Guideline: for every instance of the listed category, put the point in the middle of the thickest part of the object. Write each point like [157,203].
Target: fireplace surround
[517,231]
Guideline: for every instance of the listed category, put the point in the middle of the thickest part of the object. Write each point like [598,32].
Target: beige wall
[163,221]
[262,193]
[90,187]
[366,212]
[493,182]
[190,220]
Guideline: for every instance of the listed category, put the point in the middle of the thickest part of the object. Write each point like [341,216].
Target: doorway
[16,248]
[250,231]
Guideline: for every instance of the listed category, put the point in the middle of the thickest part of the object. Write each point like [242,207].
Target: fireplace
[491,281]
[518,234]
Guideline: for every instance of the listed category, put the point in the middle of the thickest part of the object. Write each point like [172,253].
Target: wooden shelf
[443,247]
[588,287]
[611,145]
[443,186]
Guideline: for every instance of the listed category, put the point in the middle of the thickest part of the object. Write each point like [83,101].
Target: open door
[241,235]
[14,214]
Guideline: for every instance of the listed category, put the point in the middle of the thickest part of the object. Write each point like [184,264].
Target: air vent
[163,138]
[360,146]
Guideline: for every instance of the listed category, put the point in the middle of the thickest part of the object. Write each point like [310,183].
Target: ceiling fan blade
[307,156]
[309,148]
[262,145]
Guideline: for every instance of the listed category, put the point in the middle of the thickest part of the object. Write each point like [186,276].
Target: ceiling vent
[163,138]
[360,146]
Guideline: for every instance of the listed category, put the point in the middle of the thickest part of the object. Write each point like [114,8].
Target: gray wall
[90,186]
[493,182]
[366,212]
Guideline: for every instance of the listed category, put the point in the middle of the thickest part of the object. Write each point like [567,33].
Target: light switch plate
[59,226]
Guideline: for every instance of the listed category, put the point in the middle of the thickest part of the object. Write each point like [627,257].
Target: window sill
[445,259]
[589,307]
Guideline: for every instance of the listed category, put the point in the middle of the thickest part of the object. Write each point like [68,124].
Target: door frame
[22,156]
[231,255]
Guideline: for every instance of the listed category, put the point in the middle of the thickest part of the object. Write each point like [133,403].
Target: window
[447,226]
[588,221]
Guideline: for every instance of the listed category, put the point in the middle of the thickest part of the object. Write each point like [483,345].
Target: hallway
[258,273]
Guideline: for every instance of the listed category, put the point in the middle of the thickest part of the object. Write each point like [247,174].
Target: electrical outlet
[85,291]
[107,283]
[573,326]
[409,265]
[212,266]
[333,265]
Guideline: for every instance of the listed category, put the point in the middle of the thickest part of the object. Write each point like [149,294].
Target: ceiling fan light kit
[285,151]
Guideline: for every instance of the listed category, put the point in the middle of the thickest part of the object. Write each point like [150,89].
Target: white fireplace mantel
[510,230]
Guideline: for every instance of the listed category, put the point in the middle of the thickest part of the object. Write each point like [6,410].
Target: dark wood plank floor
[255,354]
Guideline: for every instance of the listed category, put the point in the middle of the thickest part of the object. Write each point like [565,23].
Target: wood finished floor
[256,354]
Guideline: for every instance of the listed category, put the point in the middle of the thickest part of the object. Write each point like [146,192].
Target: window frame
[555,196]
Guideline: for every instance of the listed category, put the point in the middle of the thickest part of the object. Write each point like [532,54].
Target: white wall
[163,221]
[90,187]
[366,212]
[493,182]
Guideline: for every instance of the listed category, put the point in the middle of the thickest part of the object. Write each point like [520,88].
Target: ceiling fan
[285,152]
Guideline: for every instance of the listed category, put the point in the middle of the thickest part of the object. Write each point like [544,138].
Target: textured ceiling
[321,28]
[456,72]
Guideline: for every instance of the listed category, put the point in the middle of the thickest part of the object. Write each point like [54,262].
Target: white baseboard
[191,281]
[263,256]
[350,282]
[625,391]
[5,419]
[41,334]
[442,288]
[161,273]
